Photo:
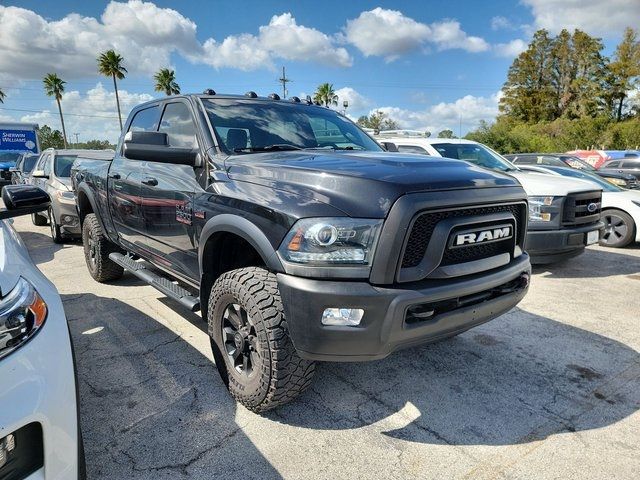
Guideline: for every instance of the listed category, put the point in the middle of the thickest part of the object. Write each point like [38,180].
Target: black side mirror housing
[154,147]
[23,200]
[389,146]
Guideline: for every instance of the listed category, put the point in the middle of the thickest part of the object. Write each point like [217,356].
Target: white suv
[564,213]
[39,429]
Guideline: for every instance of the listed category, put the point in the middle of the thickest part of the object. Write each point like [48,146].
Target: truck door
[125,177]
[167,193]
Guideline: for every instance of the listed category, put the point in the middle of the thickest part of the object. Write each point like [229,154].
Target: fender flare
[85,190]
[245,229]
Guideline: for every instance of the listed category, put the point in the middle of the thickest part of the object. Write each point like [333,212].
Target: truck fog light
[342,316]
[68,218]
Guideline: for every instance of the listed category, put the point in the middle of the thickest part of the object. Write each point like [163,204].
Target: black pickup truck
[298,236]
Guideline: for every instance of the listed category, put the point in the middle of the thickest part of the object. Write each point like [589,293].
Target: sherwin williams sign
[19,140]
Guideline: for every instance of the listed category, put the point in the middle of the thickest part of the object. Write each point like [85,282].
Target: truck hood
[13,256]
[542,184]
[7,165]
[360,183]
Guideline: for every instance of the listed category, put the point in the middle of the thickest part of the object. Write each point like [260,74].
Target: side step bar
[160,283]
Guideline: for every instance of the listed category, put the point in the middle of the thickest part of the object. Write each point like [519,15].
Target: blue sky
[429,65]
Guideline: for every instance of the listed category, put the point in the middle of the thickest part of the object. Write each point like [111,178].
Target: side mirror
[154,147]
[23,200]
[39,174]
[389,146]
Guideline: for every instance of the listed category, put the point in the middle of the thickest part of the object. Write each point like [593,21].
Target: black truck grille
[425,223]
[582,208]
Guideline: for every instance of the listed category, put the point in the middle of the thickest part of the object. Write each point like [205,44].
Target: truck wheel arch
[87,204]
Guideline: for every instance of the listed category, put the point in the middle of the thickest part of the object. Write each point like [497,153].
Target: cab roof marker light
[209,91]
[251,94]
[295,99]
[274,96]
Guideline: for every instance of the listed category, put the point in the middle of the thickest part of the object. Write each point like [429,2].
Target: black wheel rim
[92,249]
[615,229]
[240,340]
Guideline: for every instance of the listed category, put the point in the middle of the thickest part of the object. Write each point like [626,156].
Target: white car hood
[541,184]
[13,256]
[620,199]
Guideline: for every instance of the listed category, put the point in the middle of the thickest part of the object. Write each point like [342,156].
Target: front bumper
[67,218]
[38,394]
[549,246]
[385,326]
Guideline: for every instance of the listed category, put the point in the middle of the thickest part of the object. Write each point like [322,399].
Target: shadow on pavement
[518,379]
[598,263]
[152,405]
[41,247]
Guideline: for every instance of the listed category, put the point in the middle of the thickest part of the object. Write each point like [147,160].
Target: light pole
[76,135]
[345,105]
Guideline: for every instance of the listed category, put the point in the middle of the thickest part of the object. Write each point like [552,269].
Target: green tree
[2,96]
[624,71]
[378,121]
[49,138]
[166,82]
[54,87]
[325,95]
[97,145]
[446,133]
[588,84]
[110,64]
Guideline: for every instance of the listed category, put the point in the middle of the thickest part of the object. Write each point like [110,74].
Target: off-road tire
[100,266]
[38,220]
[281,375]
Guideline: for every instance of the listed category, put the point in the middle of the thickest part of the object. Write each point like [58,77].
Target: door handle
[115,176]
[152,182]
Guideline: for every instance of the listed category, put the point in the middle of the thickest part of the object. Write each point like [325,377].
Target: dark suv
[297,236]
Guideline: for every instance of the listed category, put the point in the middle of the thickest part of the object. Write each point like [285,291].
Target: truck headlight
[538,209]
[22,313]
[331,241]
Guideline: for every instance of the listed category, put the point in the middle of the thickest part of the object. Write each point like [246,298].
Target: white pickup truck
[564,213]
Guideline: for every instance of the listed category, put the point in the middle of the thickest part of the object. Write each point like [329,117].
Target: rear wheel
[619,229]
[96,251]
[250,341]
[38,220]
[56,234]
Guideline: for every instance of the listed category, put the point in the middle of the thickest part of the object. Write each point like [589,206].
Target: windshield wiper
[268,148]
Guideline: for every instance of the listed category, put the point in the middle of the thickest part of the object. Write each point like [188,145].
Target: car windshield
[29,162]
[9,156]
[475,153]
[575,162]
[592,177]
[62,165]
[248,126]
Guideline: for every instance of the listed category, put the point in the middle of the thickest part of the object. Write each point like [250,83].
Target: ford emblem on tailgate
[470,237]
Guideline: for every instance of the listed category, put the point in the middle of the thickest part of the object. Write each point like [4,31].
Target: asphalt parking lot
[550,390]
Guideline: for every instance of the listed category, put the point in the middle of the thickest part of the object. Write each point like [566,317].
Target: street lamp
[345,105]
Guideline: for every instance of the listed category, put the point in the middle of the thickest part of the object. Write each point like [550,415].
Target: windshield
[247,126]
[29,162]
[475,153]
[575,162]
[9,156]
[592,177]
[62,165]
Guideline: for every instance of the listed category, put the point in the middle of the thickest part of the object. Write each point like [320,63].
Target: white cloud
[93,114]
[501,23]
[469,110]
[281,38]
[389,34]
[357,102]
[147,35]
[597,17]
[510,49]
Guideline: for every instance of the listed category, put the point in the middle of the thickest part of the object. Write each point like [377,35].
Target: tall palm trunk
[64,131]
[115,87]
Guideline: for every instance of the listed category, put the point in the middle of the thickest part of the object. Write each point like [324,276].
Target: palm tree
[110,65]
[325,95]
[2,95]
[166,82]
[54,87]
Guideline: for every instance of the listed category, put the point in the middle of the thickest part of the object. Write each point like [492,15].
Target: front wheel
[97,248]
[619,229]
[250,341]
[56,234]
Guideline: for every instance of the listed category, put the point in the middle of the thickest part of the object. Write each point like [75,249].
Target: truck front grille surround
[582,208]
[425,223]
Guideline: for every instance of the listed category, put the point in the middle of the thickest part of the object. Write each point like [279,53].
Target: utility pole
[76,135]
[284,80]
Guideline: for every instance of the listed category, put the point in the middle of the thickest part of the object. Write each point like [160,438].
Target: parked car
[620,207]
[256,210]
[52,174]
[23,168]
[629,165]
[15,139]
[623,180]
[39,429]
[564,214]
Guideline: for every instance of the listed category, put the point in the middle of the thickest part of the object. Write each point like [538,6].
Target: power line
[66,114]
